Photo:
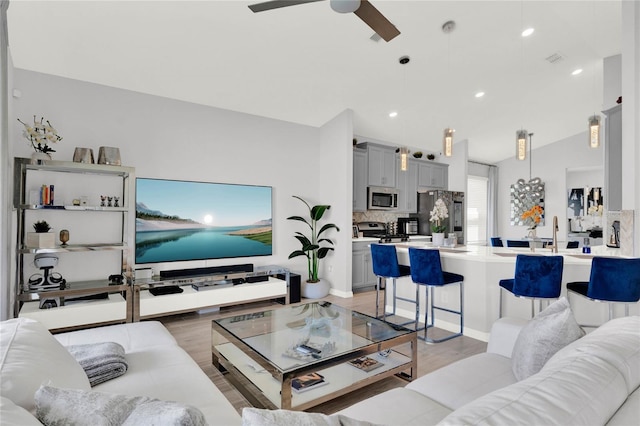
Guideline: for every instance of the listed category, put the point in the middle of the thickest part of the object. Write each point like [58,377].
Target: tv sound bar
[211,270]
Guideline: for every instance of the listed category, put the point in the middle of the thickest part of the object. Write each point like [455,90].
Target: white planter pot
[437,239]
[315,290]
[41,240]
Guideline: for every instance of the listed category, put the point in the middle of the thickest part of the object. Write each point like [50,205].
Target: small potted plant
[315,287]
[41,238]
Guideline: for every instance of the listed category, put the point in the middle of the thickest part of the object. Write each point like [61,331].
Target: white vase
[437,239]
[315,290]
[40,157]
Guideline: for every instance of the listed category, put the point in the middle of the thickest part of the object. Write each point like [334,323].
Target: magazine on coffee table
[308,382]
[365,363]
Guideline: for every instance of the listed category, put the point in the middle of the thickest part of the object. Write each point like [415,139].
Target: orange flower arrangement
[533,216]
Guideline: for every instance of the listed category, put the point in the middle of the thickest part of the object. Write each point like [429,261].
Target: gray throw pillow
[260,417]
[547,333]
[76,407]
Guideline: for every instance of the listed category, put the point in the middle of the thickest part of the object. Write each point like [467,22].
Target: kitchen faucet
[554,243]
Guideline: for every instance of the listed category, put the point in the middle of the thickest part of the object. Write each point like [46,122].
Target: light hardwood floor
[193,333]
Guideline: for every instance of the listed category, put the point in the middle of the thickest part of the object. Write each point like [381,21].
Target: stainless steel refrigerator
[455,207]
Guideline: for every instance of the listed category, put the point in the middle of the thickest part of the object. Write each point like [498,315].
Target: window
[477,187]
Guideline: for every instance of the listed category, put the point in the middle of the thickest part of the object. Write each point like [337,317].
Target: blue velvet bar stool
[612,280]
[496,242]
[426,270]
[385,265]
[536,277]
[517,243]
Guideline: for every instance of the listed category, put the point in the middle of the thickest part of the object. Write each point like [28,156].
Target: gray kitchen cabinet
[433,175]
[382,166]
[407,186]
[362,269]
[359,180]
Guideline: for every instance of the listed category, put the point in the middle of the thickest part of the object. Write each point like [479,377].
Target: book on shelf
[366,363]
[307,382]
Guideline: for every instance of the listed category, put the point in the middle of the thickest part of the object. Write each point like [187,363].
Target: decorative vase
[40,157]
[437,239]
[532,236]
[315,290]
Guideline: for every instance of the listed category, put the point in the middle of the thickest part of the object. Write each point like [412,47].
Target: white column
[631,113]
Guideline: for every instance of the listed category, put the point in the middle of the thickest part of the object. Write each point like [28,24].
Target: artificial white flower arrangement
[40,135]
[438,213]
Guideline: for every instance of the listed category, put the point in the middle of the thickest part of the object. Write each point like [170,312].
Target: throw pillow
[12,414]
[547,333]
[73,407]
[260,417]
[29,357]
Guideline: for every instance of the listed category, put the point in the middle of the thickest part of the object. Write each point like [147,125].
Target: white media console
[206,291]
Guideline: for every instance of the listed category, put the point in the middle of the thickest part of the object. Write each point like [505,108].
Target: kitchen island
[483,267]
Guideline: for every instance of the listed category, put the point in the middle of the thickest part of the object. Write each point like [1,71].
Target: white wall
[550,164]
[165,138]
[335,159]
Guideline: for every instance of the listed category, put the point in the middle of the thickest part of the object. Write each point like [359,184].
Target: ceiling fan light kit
[362,8]
[345,6]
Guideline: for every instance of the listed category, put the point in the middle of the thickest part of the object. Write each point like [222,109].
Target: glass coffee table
[343,350]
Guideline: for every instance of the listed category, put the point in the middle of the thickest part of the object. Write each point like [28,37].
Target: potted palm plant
[313,248]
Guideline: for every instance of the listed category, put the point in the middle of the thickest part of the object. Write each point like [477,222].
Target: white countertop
[508,254]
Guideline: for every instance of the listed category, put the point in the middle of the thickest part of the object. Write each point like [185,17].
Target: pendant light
[594,120]
[403,158]
[521,144]
[594,131]
[521,135]
[447,140]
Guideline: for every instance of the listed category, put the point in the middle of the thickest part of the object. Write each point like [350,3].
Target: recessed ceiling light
[479,94]
[576,72]
[527,32]
[393,114]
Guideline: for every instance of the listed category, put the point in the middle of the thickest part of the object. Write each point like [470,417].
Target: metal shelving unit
[23,207]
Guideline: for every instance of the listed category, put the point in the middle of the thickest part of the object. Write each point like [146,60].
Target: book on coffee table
[307,382]
[365,363]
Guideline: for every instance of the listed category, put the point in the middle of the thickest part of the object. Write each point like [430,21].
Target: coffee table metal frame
[247,368]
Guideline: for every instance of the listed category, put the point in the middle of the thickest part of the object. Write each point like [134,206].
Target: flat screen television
[182,220]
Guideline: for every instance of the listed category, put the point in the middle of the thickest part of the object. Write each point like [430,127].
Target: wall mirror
[523,197]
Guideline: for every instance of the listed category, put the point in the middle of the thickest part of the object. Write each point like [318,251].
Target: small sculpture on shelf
[103,198]
[116,201]
[64,237]
[109,201]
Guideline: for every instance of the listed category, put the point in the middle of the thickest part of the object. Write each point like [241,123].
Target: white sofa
[592,381]
[157,367]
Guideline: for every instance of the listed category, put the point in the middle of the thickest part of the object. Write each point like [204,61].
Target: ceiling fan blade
[376,20]
[276,4]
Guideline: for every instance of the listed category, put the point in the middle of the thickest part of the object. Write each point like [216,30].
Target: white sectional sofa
[157,367]
[592,381]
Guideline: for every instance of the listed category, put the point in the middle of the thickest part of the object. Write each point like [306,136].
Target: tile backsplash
[626,230]
[377,216]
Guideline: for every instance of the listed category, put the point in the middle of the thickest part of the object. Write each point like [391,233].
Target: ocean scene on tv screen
[182,220]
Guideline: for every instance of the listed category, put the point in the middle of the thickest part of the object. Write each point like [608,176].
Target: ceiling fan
[362,8]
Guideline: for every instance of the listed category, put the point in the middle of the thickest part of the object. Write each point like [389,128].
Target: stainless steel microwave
[382,198]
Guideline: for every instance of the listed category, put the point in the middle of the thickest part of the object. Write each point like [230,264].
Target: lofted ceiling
[306,63]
